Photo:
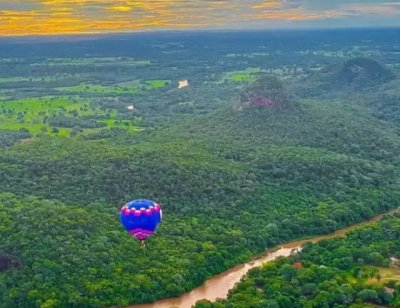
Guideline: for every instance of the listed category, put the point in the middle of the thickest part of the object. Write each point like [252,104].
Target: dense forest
[268,143]
[359,270]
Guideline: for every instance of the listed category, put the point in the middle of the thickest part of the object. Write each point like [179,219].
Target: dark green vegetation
[355,74]
[232,181]
[359,270]
[9,137]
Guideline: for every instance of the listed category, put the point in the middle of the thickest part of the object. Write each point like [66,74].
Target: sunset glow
[44,17]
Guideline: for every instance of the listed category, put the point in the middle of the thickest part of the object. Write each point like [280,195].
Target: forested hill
[361,81]
[237,164]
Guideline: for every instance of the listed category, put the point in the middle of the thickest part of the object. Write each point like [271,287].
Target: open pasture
[38,115]
[247,75]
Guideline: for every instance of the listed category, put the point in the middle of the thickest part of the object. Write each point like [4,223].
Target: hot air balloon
[141,218]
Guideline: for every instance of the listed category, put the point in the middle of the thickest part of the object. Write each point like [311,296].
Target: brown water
[219,285]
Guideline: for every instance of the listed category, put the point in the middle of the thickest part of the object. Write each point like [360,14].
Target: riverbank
[219,285]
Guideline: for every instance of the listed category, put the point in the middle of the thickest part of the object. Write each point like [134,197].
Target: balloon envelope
[141,218]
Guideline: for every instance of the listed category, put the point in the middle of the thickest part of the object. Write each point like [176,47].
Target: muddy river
[219,285]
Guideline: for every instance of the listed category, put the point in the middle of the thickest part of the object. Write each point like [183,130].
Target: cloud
[387,9]
[19,17]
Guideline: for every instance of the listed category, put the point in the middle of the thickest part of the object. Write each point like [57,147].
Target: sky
[52,17]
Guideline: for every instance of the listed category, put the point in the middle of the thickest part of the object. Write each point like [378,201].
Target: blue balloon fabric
[141,218]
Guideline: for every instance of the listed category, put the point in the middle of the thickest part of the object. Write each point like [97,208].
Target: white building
[183,84]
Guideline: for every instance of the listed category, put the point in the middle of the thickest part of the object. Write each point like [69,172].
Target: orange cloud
[96,16]
[272,4]
[120,8]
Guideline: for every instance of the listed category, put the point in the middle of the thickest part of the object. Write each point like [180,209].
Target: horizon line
[194,30]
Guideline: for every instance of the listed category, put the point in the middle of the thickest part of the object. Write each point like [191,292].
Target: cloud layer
[26,17]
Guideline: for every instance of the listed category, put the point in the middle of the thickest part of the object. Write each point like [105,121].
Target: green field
[156,83]
[99,89]
[124,88]
[47,78]
[31,113]
[386,274]
[247,75]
